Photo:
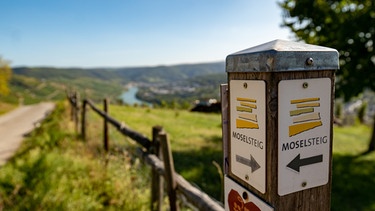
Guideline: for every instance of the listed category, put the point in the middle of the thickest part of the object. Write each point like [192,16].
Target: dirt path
[17,123]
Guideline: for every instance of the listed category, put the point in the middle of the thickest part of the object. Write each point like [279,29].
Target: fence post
[76,111]
[106,125]
[224,126]
[169,171]
[157,184]
[280,132]
[83,120]
[71,98]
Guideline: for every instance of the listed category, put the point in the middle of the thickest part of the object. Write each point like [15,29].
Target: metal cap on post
[281,55]
[280,130]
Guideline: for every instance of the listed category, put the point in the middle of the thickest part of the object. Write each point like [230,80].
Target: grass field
[53,170]
[353,175]
[195,139]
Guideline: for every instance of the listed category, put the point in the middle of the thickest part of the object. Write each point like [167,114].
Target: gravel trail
[18,123]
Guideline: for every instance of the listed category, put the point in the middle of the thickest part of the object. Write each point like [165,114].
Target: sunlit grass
[351,140]
[195,140]
[186,130]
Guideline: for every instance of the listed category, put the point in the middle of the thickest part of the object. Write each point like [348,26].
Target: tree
[5,75]
[346,25]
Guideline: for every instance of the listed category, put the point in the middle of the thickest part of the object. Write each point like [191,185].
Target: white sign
[238,198]
[304,134]
[248,132]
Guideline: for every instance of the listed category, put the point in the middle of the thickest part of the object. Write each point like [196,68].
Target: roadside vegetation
[6,107]
[5,76]
[55,170]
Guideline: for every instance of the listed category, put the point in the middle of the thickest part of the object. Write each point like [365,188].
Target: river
[129,97]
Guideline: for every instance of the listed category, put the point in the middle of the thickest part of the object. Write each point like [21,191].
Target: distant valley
[157,85]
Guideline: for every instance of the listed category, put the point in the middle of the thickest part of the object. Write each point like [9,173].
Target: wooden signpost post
[279,146]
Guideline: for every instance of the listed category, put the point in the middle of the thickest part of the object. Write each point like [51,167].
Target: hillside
[180,82]
[29,90]
[124,75]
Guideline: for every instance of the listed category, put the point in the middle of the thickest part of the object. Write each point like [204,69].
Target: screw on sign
[237,203]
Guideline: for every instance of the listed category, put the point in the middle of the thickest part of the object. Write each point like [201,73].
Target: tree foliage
[346,25]
[5,75]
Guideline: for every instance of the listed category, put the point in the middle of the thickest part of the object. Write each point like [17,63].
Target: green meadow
[353,181]
[55,170]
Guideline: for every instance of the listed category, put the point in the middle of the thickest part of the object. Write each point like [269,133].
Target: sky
[129,33]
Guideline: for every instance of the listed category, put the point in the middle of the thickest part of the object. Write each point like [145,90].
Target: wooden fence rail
[155,152]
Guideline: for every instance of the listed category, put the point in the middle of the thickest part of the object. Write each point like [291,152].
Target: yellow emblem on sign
[246,119]
[304,116]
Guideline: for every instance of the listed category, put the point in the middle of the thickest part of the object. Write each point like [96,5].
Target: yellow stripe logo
[304,116]
[246,119]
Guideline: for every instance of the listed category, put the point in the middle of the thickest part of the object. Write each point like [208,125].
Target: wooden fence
[155,152]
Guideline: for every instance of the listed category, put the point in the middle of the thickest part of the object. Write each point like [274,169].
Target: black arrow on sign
[249,162]
[297,162]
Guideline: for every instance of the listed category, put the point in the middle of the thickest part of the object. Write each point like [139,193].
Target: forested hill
[125,75]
